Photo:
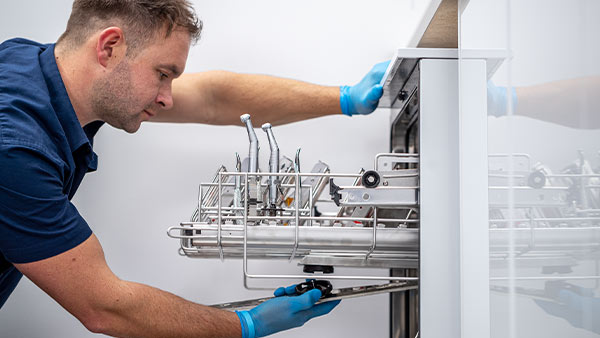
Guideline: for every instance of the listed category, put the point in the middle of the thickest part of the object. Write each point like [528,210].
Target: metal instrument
[273,167]
[253,190]
[254,147]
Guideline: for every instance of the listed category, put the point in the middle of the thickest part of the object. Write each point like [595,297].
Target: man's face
[138,88]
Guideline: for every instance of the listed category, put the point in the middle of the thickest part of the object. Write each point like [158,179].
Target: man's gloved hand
[284,312]
[363,97]
[497,99]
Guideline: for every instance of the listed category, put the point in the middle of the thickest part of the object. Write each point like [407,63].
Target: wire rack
[371,220]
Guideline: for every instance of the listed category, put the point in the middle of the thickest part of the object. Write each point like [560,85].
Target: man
[119,62]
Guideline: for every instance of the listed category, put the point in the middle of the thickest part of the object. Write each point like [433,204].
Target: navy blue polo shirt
[44,154]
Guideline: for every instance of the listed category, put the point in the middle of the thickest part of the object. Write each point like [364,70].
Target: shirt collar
[76,136]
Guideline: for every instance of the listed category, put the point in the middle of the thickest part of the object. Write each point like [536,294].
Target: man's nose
[165,98]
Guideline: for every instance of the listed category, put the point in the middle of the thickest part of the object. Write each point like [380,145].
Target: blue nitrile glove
[363,97]
[580,310]
[497,99]
[283,313]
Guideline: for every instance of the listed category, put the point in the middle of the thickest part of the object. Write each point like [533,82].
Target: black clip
[334,192]
[321,284]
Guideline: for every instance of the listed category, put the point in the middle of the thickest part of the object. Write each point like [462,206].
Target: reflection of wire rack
[549,219]
[374,222]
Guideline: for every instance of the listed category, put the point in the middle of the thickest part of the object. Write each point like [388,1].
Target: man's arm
[81,281]
[220,97]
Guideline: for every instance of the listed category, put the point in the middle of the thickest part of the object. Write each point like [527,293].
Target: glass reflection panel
[544,164]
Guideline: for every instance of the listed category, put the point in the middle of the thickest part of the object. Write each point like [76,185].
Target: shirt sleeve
[37,220]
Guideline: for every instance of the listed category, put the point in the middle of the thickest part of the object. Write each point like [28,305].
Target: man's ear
[111,46]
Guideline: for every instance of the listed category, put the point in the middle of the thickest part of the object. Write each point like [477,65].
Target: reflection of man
[573,103]
[117,63]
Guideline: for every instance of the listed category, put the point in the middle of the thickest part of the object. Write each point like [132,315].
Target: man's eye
[163,75]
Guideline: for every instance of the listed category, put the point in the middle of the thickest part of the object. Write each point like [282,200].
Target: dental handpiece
[273,164]
[253,151]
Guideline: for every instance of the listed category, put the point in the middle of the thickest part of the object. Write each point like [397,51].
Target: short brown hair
[140,20]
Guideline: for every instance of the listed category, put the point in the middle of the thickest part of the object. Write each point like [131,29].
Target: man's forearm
[80,281]
[144,311]
[220,97]
[273,100]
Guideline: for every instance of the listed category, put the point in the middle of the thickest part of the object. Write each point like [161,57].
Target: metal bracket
[380,196]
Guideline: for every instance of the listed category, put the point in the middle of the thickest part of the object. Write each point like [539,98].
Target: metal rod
[506,176]
[534,278]
[354,240]
[242,208]
[374,234]
[199,202]
[225,184]
[237,194]
[245,260]
[297,216]
[334,277]
[407,220]
[315,218]
[570,219]
[219,221]
[310,206]
[574,175]
[294,174]
[399,175]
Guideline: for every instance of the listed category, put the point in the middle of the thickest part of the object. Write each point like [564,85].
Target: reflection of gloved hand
[363,97]
[497,99]
[579,309]
[282,313]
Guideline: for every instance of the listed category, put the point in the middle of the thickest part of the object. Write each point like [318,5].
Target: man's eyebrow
[172,68]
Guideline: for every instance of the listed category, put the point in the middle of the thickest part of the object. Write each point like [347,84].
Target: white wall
[148,181]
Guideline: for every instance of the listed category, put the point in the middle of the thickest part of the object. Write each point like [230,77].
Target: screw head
[403,95]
